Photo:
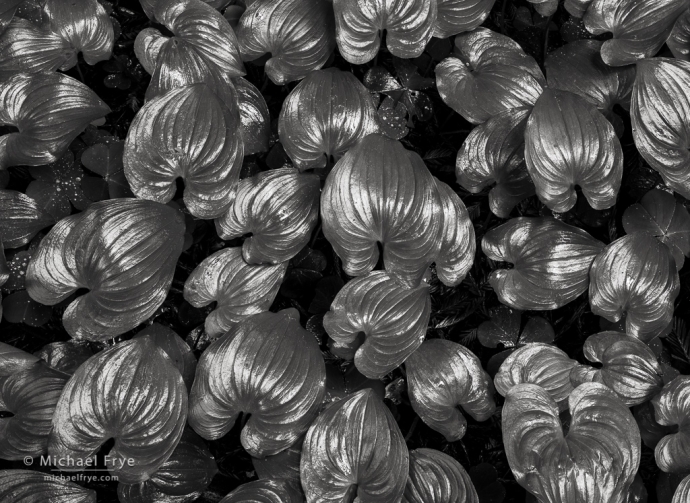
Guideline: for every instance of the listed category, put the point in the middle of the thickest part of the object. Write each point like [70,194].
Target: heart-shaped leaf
[25,486]
[458,16]
[354,450]
[264,491]
[267,366]
[21,218]
[131,392]
[65,356]
[254,117]
[436,477]
[175,348]
[672,408]
[682,491]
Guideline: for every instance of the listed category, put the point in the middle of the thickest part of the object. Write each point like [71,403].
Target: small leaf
[18,307]
[105,159]
[392,118]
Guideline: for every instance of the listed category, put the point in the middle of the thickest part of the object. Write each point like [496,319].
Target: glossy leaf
[592,159]
[672,408]
[436,477]
[7,10]
[458,243]
[30,395]
[595,461]
[27,486]
[659,214]
[636,277]
[298,35]
[679,39]
[458,16]
[14,360]
[444,378]
[123,251]
[494,153]
[131,392]
[354,449]
[238,289]
[20,218]
[279,209]
[254,117]
[541,364]
[324,116]
[49,110]
[184,476]
[628,367]
[264,491]
[682,493]
[174,347]
[551,262]
[660,114]
[489,74]
[408,26]
[267,366]
[65,356]
[639,27]
[186,133]
[392,318]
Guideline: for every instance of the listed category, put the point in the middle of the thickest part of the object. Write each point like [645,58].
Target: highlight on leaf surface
[174,347]
[355,450]
[238,289]
[267,366]
[541,364]
[49,110]
[672,408]
[636,277]
[254,117]
[390,317]
[659,214]
[682,491]
[660,115]
[299,35]
[494,153]
[123,251]
[679,39]
[488,74]
[278,209]
[591,159]
[458,16]
[551,262]
[628,367]
[131,392]
[639,27]
[14,360]
[30,395]
[183,477]
[408,26]
[595,461]
[324,116]
[436,477]
[444,378]
[264,491]
[28,486]
[189,133]
[21,218]
[7,10]
[65,356]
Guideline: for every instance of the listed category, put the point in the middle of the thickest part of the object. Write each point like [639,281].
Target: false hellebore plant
[250,270]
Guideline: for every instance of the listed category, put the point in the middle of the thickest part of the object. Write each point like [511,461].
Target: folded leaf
[682,491]
[381,193]
[542,364]
[489,74]
[660,115]
[595,461]
[49,110]
[551,262]
[354,450]
[175,348]
[123,251]
[131,392]
[408,26]
[444,378]
[591,159]
[659,214]
[264,491]
[494,152]
[14,360]
[21,218]
[268,366]
[639,27]
[25,486]
[324,116]
[679,39]
[391,317]
[183,477]
[457,16]
[238,289]
[672,408]
[299,35]
[30,395]
[636,277]
[254,117]
[436,477]
[65,356]
[187,133]
[628,367]
[279,209]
